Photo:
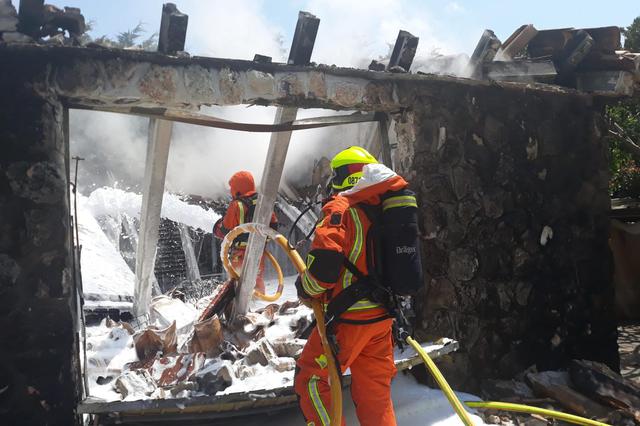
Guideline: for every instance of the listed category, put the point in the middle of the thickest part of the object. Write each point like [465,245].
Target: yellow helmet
[347,166]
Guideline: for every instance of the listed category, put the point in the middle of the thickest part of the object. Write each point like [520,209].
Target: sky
[451,26]
[351,33]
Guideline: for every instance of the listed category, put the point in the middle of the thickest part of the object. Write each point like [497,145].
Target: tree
[624,132]
[129,39]
[632,36]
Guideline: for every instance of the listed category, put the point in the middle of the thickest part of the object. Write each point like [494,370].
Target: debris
[207,337]
[150,342]
[557,385]
[600,382]
[376,66]
[165,311]
[282,364]
[507,390]
[135,383]
[262,352]
[288,347]
[170,370]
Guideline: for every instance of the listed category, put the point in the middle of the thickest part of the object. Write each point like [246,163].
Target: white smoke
[201,159]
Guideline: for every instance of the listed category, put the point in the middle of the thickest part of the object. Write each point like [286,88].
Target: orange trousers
[368,351]
[237,258]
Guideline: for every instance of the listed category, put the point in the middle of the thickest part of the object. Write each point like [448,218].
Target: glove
[305,299]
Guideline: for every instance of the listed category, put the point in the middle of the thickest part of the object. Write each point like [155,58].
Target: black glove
[302,295]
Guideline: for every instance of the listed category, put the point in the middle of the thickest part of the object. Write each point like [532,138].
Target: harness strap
[363,288]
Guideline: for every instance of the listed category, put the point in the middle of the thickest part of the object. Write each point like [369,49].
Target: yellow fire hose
[316,305]
[439,378]
[226,246]
[334,378]
[520,408]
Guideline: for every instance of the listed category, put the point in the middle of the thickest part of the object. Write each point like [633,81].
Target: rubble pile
[187,351]
[587,388]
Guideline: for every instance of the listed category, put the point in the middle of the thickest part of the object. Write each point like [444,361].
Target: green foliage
[130,39]
[625,169]
[632,36]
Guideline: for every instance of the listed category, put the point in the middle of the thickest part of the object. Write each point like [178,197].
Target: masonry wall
[37,338]
[493,168]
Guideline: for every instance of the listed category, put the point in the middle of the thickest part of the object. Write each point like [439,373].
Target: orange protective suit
[367,349]
[241,208]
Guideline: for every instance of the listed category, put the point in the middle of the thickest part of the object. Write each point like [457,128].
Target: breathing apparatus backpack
[393,259]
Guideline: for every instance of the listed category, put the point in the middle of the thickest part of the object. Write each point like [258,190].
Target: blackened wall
[493,168]
[37,338]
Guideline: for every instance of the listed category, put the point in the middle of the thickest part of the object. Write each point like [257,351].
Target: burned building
[512,178]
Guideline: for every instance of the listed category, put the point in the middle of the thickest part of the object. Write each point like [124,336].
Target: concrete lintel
[113,77]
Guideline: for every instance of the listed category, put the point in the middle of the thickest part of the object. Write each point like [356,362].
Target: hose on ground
[439,378]
[521,408]
[316,305]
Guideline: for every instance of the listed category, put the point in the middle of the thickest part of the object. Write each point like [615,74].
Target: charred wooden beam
[611,82]
[484,52]
[30,16]
[403,51]
[606,39]
[263,59]
[300,54]
[173,30]
[549,42]
[516,42]
[542,71]
[576,49]
[304,38]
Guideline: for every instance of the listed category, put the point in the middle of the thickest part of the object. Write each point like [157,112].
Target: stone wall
[497,172]
[37,338]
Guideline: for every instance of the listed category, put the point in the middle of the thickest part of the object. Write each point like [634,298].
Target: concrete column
[153,190]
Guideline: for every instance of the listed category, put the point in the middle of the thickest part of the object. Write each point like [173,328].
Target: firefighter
[362,334]
[240,210]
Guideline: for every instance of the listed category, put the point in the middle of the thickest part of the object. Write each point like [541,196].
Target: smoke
[202,159]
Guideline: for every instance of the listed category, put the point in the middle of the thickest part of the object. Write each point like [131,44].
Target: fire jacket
[342,234]
[242,206]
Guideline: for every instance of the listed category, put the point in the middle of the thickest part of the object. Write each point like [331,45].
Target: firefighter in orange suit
[241,209]
[362,333]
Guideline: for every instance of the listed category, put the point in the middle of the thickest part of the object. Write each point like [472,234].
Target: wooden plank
[557,385]
[543,71]
[300,54]
[484,52]
[516,42]
[154,177]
